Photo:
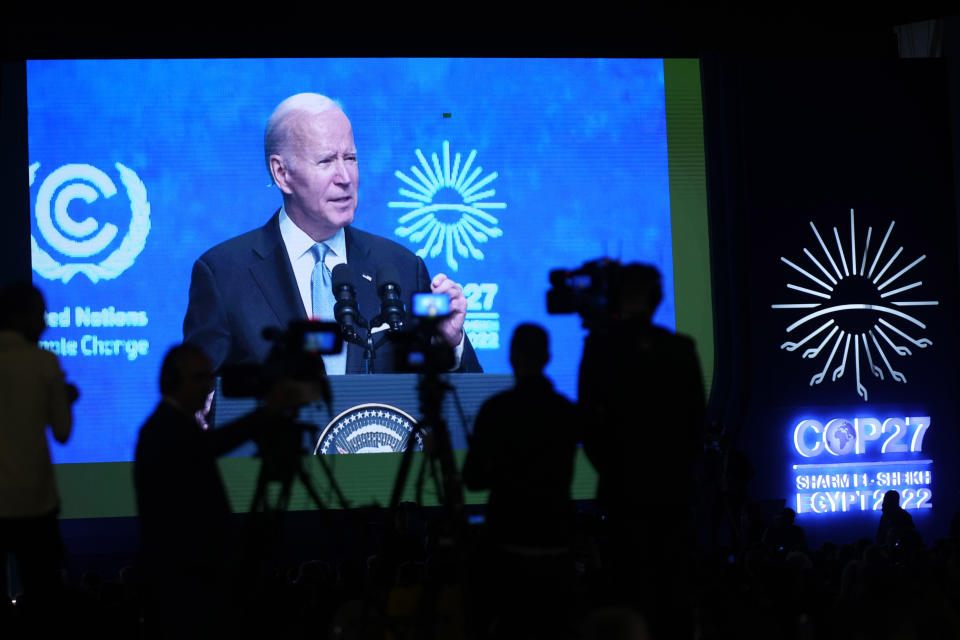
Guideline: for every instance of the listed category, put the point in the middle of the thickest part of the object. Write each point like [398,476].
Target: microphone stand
[346,311]
[350,331]
[369,352]
[370,347]
[368,343]
[353,337]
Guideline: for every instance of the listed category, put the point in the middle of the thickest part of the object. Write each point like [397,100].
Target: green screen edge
[688,208]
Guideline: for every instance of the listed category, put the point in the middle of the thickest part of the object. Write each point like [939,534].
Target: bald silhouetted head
[186,376]
[529,350]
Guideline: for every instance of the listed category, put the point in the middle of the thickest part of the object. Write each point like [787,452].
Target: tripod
[281,451]
[437,450]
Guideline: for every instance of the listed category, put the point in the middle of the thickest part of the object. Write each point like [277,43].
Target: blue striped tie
[323,302]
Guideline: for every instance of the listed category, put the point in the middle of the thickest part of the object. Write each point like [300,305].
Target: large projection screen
[137,167]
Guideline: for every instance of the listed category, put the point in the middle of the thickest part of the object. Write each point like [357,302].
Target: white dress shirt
[302,259]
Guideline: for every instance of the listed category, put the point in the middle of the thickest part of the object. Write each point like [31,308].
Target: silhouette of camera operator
[33,396]
[188,547]
[522,450]
[641,393]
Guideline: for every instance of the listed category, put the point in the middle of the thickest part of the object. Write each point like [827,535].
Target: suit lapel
[274,275]
[365,272]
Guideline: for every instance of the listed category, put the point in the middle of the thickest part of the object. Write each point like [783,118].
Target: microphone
[391,306]
[346,311]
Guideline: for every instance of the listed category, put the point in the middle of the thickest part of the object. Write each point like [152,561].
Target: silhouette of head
[22,310]
[186,376]
[529,350]
[891,500]
[640,291]
[788,516]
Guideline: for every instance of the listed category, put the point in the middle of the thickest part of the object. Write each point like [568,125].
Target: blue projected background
[139,166]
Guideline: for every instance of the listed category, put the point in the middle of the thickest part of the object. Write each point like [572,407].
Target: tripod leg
[341,499]
[283,500]
[259,502]
[311,491]
[404,470]
[438,481]
[421,476]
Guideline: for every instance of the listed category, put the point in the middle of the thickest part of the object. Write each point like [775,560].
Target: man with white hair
[281,271]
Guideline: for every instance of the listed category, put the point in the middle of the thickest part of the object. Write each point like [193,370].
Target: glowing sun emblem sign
[449,210]
[865,310]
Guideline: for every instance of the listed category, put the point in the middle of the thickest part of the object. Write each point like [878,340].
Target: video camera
[295,354]
[592,291]
[418,348]
[604,292]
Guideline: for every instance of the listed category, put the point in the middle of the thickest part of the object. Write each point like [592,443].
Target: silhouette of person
[641,392]
[187,544]
[185,516]
[783,535]
[33,396]
[522,450]
[896,525]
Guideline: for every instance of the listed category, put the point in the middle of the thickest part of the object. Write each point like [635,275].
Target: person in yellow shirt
[34,396]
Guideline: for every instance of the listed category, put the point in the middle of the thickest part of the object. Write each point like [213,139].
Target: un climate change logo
[868,308]
[448,206]
[86,239]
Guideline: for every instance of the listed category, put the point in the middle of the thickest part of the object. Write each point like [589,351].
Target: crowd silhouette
[626,565]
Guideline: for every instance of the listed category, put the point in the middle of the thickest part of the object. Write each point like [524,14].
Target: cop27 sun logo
[864,312]
[81,246]
[448,207]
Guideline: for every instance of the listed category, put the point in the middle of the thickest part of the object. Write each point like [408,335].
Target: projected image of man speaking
[283,271]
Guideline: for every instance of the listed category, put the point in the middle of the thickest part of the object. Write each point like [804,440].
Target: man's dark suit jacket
[246,283]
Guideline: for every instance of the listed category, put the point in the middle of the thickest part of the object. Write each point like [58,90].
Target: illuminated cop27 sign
[858,309]
[853,462]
